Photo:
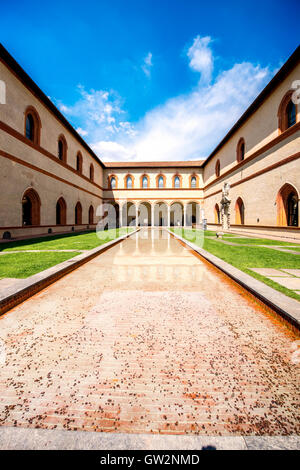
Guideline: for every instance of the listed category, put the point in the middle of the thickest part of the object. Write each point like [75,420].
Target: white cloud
[201,58]
[183,128]
[147,64]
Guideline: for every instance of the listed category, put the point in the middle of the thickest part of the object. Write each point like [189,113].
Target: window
[145,182]
[62,149]
[91,172]
[287,112]
[31,208]
[78,214]
[176,182]
[160,182]
[193,182]
[32,125]
[113,183]
[217,168]
[129,182]
[79,163]
[240,150]
[291,114]
[61,212]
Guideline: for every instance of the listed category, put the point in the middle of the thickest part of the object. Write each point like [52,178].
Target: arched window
[144,181]
[239,212]
[31,205]
[129,182]
[240,150]
[91,172]
[160,182]
[217,214]
[62,149]
[78,214]
[176,181]
[287,206]
[32,125]
[79,162]
[217,168]
[287,112]
[113,183]
[91,215]
[193,182]
[61,212]
[291,114]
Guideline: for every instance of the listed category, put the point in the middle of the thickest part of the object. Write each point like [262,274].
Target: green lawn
[70,241]
[22,265]
[244,257]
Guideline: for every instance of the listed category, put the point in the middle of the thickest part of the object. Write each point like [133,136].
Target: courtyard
[147,338]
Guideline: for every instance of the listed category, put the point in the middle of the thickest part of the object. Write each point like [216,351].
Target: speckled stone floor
[146,338]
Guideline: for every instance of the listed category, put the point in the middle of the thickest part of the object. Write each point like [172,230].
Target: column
[120,215]
[169,216]
[184,215]
[136,215]
[152,215]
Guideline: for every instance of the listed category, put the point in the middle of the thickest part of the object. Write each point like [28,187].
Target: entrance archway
[176,214]
[144,214]
[239,212]
[288,206]
[129,214]
[192,213]
[31,205]
[61,212]
[78,214]
[160,214]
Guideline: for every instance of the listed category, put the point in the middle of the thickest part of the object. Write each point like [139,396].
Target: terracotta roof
[174,164]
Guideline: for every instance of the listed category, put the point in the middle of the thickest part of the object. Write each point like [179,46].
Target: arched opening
[160,181]
[217,168]
[287,112]
[32,125]
[79,163]
[287,206]
[91,215]
[176,214]
[128,182]
[31,205]
[145,181]
[193,181]
[145,214]
[176,181]
[78,214]
[112,182]
[240,150]
[128,214]
[61,212]
[91,172]
[160,214]
[239,212]
[192,213]
[217,214]
[62,149]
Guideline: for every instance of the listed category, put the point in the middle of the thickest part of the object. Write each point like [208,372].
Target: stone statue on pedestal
[225,207]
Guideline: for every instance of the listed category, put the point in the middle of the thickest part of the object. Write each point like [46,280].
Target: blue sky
[148,79]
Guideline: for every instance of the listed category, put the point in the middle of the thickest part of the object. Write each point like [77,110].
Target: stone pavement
[136,342]
[289,278]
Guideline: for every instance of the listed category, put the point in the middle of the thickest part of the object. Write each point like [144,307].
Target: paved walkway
[147,338]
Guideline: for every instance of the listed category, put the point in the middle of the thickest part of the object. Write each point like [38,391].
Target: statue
[225,207]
